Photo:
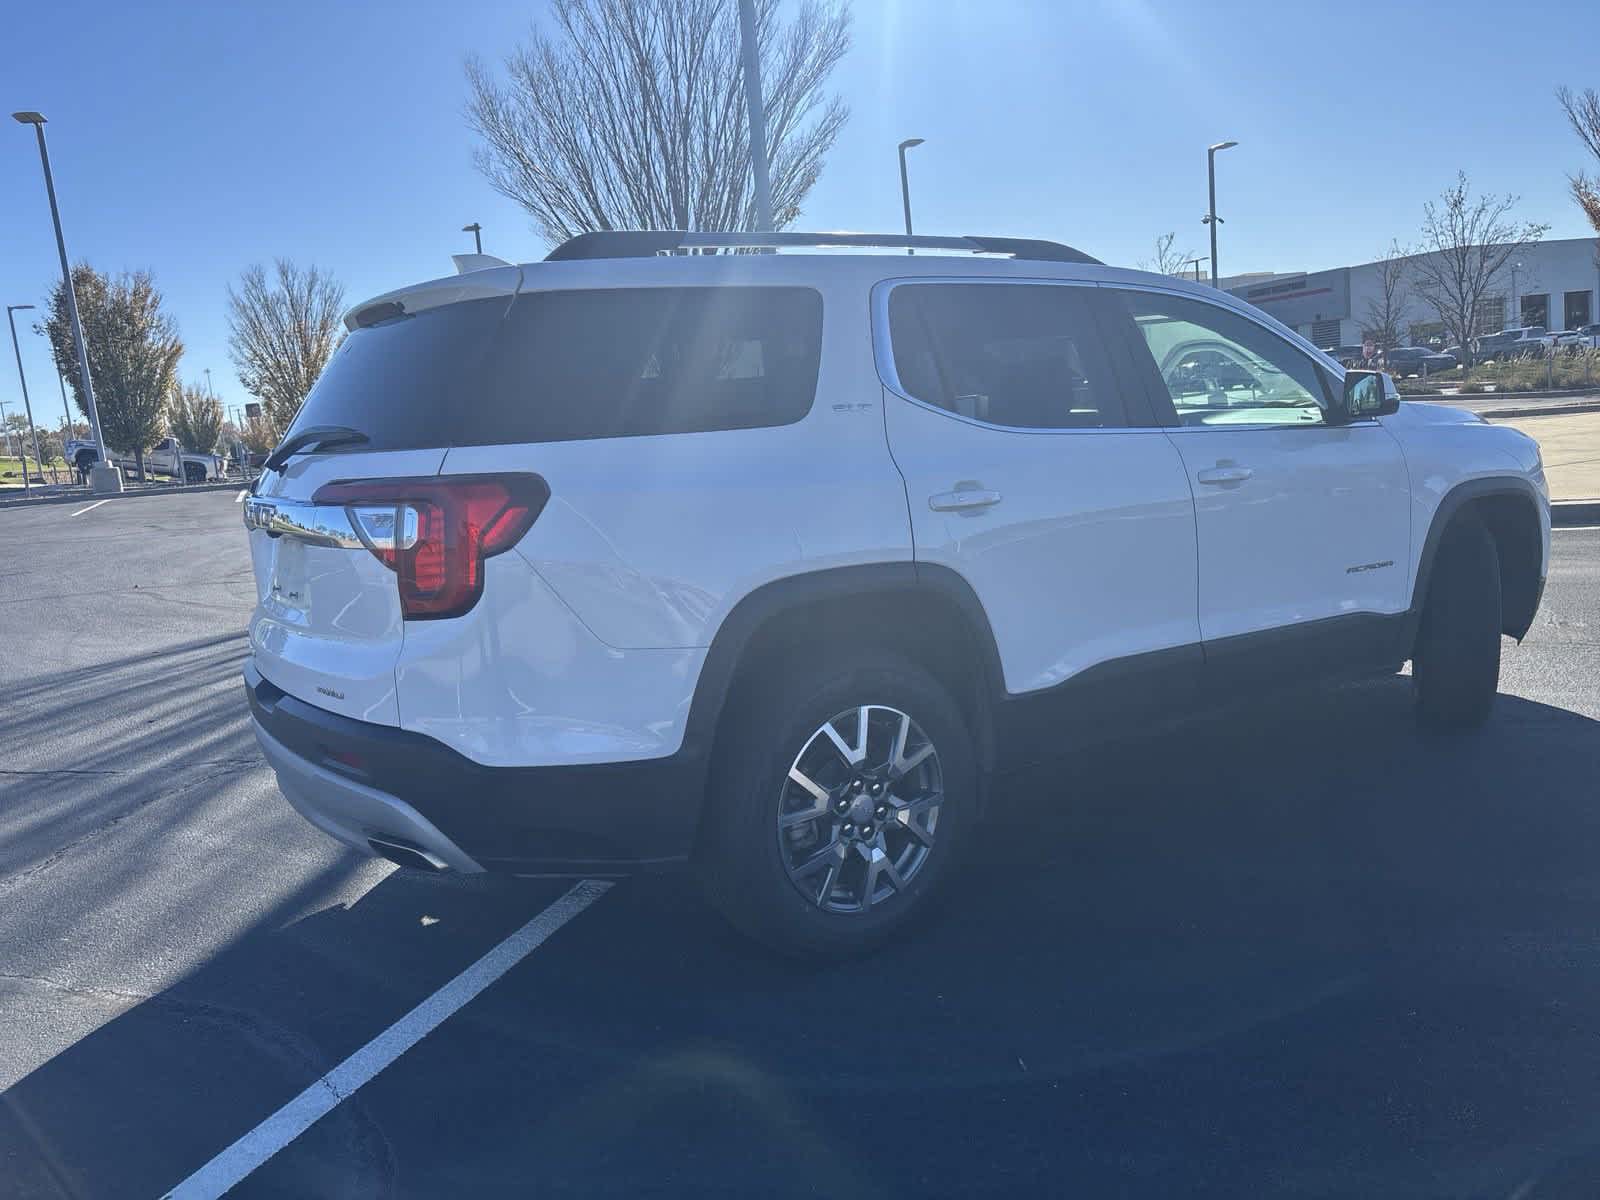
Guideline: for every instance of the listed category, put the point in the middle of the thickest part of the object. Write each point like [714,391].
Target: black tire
[1456,664]
[766,727]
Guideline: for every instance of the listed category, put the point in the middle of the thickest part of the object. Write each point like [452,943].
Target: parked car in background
[1586,338]
[1345,356]
[161,459]
[1530,341]
[1417,360]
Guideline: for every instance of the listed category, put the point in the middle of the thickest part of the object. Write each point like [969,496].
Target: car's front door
[1304,526]
[1033,475]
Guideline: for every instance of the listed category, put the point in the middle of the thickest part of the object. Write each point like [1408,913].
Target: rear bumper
[357,781]
[356,814]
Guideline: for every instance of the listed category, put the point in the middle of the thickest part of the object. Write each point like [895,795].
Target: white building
[1555,284]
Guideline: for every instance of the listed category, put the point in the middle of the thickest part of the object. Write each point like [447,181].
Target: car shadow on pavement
[1296,950]
[88,746]
[140,1103]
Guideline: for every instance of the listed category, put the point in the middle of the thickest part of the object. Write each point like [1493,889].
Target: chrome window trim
[883,350]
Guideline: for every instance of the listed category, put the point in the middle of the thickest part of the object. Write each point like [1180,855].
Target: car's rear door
[328,627]
[1304,526]
[1036,477]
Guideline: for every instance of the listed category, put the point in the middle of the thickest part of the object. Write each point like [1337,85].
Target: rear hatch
[330,625]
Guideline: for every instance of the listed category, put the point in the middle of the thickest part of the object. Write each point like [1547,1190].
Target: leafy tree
[281,333]
[194,417]
[1467,242]
[630,114]
[133,349]
[1583,113]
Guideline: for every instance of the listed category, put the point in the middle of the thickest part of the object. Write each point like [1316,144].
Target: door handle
[1224,474]
[963,500]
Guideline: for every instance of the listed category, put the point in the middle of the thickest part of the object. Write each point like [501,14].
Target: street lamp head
[28,118]
[1222,146]
[17,307]
[473,228]
[910,142]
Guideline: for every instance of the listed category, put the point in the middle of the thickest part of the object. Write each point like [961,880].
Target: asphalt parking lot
[1296,951]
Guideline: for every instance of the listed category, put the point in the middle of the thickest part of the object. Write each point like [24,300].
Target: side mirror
[1368,394]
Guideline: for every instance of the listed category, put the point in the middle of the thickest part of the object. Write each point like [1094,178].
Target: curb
[1574,512]
[1456,398]
[1548,410]
[87,497]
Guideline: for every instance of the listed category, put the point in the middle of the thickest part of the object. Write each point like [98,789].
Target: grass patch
[1566,370]
[11,472]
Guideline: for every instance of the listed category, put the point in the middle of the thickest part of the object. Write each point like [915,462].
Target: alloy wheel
[859,809]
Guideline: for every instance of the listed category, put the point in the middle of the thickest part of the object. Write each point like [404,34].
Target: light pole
[1211,217]
[104,482]
[26,403]
[1516,309]
[1195,262]
[905,185]
[476,231]
[66,413]
[755,110]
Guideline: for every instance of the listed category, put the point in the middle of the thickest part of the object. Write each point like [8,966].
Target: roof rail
[646,243]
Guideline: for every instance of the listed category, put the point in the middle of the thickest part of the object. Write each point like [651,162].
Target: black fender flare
[791,592]
[1457,498]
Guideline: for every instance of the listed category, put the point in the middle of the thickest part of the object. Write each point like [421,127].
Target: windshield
[399,381]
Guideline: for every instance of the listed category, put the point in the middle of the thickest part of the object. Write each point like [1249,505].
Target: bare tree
[281,333]
[194,417]
[1167,261]
[630,115]
[1467,241]
[1386,312]
[133,349]
[1583,112]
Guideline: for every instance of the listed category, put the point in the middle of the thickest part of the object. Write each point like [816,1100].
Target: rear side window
[628,362]
[398,381]
[1021,355]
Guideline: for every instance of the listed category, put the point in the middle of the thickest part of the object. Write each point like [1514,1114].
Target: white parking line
[96,504]
[323,1096]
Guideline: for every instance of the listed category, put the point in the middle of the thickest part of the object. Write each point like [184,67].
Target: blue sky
[195,139]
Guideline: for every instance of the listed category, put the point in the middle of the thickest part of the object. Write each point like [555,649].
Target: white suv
[767,561]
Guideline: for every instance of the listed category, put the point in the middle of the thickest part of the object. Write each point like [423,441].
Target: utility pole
[905,185]
[104,482]
[756,108]
[1211,217]
[27,404]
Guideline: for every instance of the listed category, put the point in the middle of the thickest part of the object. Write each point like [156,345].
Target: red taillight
[434,532]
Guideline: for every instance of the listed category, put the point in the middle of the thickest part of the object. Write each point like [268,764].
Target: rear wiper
[313,436]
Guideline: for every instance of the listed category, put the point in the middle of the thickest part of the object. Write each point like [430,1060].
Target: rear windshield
[395,381]
[569,365]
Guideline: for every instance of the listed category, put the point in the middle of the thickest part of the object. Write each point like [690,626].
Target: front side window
[1020,355]
[1220,368]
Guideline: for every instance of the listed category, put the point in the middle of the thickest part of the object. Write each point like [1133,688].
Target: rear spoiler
[476,262]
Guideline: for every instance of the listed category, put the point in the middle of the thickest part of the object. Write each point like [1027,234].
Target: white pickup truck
[161,459]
